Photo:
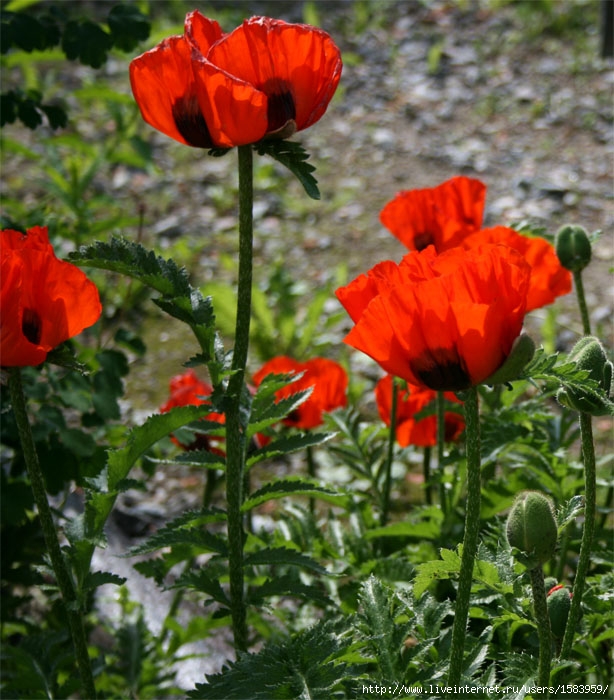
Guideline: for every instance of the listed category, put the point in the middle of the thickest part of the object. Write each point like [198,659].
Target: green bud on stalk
[531,528]
[559,602]
[573,247]
[589,354]
[520,355]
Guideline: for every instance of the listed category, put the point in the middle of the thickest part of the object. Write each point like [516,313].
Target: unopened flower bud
[573,247]
[589,354]
[531,528]
[559,602]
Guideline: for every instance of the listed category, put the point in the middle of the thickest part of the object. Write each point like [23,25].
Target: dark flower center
[423,240]
[441,370]
[31,326]
[190,122]
[281,108]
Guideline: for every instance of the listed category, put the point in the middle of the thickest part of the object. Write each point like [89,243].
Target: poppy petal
[441,216]
[164,87]
[296,66]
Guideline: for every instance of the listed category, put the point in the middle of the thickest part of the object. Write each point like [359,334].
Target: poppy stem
[390,455]
[470,541]
[441,437]
[579,285]
[542,618]
[590,495]
[60,568]
[426,472]
[235,416]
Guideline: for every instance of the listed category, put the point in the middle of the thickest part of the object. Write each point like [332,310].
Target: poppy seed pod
[589,354]
[573,247]
[531,528]
[559,602]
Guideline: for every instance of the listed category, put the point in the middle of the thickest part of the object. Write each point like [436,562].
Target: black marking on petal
[441,370]
[190,122]
[423,240]
[31,326]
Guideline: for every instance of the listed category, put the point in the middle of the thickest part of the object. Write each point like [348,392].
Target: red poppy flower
[441,216]
[188,390]
[44,301]
[266,78]
[445,322]
[549,279]
[328,379]
[410,401]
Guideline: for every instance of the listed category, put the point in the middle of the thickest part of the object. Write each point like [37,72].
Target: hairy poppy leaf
[306,665]
[133,260]
[294,157]
[283,556]
[287,444]
[293,486]
[201,581]
[287,585]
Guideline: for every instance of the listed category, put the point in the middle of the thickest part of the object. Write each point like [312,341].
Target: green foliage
[294,157]
[83,40]
[306,665]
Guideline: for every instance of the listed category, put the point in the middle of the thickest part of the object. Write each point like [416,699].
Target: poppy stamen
[31,326]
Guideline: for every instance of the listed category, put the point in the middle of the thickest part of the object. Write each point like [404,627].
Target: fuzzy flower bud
[531,528]
[573,247]
[559,602]
[589,354]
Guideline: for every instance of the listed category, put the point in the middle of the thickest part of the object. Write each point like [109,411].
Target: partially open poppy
[44,301]
[266,78]
[444,322]
[440,216]
[328,379]
[411,400]
[188,390]
[549,279]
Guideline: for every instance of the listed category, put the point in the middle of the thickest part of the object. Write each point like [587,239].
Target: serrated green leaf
[303,666]
[201,581]
[100,578]
[287,444]
[294,157]
[435,570]
[144,436]
[376,611]
[568,512]
[290,586]
[285,557]
[132,259]
[200,539]
[293,486]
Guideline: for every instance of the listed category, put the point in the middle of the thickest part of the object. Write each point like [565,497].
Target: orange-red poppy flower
[44,301]
[441,216]
[549,279]
[188,390]
[410,402]
[328,379]
[265,78]
[445,322]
